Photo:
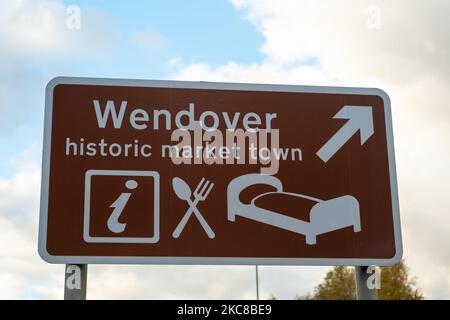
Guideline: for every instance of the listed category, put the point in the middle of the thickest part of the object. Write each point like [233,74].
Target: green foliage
[396,285]
[339,284]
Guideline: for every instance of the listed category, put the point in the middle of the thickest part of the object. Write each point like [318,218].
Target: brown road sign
[169,172]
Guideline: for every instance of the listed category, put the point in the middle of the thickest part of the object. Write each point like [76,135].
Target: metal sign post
[362,279]
[257,283]
[75,282]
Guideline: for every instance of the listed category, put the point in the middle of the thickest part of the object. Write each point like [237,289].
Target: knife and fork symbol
[201,192]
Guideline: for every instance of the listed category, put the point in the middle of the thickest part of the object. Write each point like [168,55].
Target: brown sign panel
[172,172]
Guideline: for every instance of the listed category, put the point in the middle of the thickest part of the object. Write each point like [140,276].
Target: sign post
[363,292]
[173,172]
[257,282]
[75,282]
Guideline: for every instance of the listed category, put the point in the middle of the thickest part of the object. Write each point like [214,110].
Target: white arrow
[359,118]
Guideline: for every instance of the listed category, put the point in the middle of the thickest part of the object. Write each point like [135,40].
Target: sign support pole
[75,282]
[363,292]
[257,282]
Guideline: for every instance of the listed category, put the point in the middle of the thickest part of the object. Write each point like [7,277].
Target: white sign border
[42,248]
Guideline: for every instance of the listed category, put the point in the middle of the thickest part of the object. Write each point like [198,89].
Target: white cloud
[22,273]
[40,27]
[171,282]
[34,35]
[20,195]
[268,72]
[412,38]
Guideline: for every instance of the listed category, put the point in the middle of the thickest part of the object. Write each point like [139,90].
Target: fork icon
[183,191]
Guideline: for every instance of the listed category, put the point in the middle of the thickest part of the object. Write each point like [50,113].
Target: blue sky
[183,32]
[198,30]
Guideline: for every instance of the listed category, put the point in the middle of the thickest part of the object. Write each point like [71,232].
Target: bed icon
[325,216]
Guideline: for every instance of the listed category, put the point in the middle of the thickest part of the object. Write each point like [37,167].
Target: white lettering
[110,108]
[139,115]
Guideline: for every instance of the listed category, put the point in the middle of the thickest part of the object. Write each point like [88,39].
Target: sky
[401,47]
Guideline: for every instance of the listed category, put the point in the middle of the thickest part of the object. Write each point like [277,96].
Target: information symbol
[124,212]
[113,221]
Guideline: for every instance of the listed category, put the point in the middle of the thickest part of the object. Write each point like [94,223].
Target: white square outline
[87,201]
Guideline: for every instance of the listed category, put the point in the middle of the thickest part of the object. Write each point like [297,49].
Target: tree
[397,285]
[339,284]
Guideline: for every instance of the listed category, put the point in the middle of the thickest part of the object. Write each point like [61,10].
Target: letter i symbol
[113,221]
